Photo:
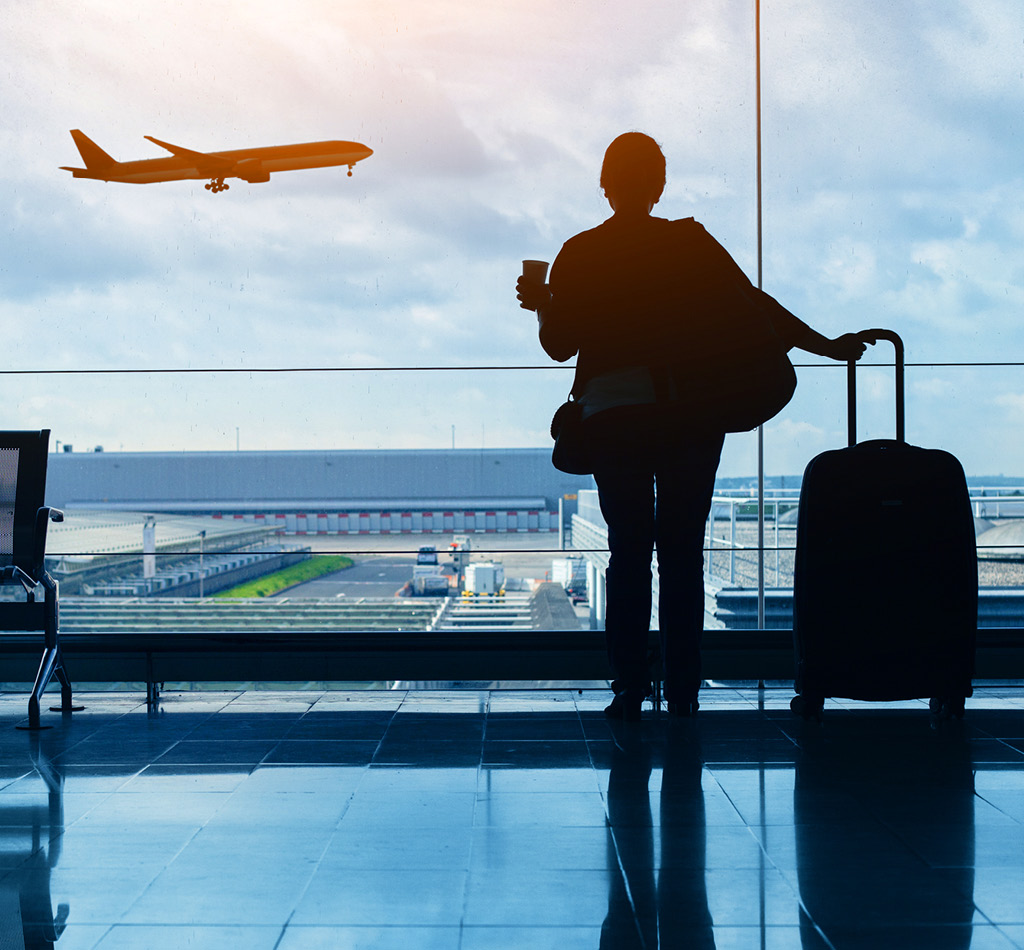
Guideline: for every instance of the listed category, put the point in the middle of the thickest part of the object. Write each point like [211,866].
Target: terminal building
[328,492]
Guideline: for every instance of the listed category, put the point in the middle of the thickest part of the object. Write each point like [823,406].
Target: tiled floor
[483,821]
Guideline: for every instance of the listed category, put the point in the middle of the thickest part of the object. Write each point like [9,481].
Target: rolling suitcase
[885,588]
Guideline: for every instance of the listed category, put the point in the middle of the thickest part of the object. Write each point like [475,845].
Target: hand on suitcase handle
[870,336]
[850,346]
[880,333]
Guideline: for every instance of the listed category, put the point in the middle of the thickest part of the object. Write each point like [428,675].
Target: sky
[892,196]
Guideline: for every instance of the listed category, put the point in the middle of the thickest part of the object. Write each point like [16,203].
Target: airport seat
[23,523]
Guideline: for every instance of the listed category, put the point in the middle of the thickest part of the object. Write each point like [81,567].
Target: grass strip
[270,584]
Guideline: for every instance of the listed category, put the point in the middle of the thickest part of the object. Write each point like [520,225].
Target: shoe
[687,709]
[626,705]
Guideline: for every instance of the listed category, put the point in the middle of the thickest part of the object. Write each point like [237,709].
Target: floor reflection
[31,830]
[864,800]
[492,821]
[661,898]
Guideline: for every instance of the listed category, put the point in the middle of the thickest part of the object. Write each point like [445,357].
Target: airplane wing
[203,160]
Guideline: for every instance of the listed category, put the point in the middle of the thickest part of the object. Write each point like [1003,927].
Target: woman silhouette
[637,300]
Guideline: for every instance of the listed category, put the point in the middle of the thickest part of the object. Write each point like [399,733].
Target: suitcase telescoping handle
[851,384]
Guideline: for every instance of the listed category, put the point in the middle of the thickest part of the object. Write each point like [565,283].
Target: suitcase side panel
[885,584]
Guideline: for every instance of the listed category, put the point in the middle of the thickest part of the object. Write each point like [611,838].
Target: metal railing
[738,505]
[734,506]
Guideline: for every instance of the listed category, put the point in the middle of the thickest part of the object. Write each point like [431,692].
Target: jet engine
[252,171]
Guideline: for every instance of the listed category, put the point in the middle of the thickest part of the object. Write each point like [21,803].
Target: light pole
[149,547]
[760,281]
[202,573]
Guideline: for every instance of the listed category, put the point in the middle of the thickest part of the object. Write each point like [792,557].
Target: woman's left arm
[849,346]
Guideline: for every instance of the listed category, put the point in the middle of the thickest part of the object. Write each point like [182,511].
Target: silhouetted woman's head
[633,168]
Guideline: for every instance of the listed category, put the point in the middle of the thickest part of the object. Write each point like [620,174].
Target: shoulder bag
[570,453]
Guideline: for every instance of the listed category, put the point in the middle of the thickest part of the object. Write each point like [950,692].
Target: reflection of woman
[633,298]
[664,901]
[632,919]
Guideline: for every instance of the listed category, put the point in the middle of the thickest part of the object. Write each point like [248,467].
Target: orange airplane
[249,164]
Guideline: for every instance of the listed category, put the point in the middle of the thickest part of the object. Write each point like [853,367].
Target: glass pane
[890,196]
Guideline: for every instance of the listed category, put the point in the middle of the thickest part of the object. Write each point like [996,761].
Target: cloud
[934,387]
[1013,404]
[892,196]
[979,44]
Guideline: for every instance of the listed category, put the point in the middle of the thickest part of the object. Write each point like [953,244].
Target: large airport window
[321,387]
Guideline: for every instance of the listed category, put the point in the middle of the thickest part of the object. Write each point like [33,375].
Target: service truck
[571,573]
[427,579]
[485,577]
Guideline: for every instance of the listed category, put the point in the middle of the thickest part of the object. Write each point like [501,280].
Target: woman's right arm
[557,318]
[557,336]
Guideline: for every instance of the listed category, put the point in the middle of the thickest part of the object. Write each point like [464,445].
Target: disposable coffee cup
[536,270]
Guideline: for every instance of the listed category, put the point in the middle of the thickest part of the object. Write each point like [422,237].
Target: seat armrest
[14,573]
[43,516]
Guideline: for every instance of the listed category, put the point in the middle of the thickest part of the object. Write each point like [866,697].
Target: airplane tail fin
[93,156]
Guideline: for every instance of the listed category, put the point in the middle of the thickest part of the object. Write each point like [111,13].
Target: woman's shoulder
[590,236]
[613,229]
[660,235]
[689,225]
[586,244]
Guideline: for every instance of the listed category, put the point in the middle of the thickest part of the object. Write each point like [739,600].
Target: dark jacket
[655,293]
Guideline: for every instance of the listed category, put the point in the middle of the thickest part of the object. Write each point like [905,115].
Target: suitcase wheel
[807,707]
[948,707]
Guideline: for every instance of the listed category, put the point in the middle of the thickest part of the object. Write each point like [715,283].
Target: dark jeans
[636,449]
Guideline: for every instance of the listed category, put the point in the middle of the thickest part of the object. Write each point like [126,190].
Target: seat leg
[66,695]
[153,686]
[33,716]
[47,664]
[53,642]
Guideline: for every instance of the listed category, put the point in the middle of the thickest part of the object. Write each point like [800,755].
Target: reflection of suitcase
[894,793]
[885,599]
